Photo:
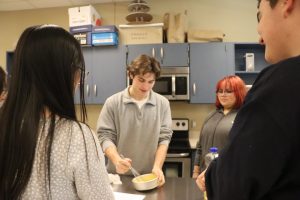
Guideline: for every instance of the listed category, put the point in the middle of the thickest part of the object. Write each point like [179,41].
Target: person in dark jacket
[230,94]
[261,160]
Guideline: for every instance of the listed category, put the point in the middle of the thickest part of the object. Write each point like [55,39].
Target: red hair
[238,87]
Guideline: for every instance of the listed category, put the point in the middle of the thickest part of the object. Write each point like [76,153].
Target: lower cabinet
[209,62]
[105,73]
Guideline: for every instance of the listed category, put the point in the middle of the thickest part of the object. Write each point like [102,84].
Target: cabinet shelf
[259,56]
[240,50]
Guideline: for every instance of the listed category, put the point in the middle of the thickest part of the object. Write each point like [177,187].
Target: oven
[177,166]
[179,156]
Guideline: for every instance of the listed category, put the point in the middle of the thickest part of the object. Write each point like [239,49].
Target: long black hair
[47,61]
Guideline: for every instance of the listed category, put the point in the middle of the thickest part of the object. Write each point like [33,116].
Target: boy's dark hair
[144,64]
[272,3]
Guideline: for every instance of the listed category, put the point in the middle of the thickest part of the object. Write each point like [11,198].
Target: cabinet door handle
[162,55]
[95,90]
[173,85]
[88,90]
[153,52]
[194,88]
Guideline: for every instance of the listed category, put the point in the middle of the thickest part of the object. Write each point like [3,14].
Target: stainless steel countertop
[174,188]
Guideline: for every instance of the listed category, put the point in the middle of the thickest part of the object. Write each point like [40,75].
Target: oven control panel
[180,124]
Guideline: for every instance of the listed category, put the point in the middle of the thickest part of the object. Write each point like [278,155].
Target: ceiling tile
[48,3]
[9,5]
[84,2]
[14,5]
[11,1]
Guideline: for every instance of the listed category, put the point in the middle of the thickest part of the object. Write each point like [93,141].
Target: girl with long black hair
[45,152]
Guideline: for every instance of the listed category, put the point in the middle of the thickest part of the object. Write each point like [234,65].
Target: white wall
[236,18]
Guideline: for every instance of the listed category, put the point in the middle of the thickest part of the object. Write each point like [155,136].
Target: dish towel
[114,179]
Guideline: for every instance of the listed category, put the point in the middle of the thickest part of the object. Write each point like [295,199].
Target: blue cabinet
[105,73]
[167,54]
[209,62]
[87,54]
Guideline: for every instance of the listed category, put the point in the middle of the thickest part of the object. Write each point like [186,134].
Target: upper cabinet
[249,60]
[209,62]
[167,54]
[105,73]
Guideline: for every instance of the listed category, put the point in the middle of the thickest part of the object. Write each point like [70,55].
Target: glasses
[224,92]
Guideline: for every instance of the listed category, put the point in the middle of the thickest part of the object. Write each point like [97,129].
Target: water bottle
[210,156]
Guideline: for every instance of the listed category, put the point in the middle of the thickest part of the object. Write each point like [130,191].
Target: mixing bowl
[145,182]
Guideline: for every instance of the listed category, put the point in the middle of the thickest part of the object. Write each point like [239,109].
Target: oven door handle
[177,155]
[173,85]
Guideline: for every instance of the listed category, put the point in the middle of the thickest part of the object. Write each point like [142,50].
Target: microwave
[173,83]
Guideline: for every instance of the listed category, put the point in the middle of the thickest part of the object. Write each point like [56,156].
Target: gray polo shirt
[135,132]
[214,133]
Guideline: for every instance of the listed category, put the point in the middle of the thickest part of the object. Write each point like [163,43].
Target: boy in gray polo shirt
[136,122]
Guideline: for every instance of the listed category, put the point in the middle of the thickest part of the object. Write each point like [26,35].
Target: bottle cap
[213,149]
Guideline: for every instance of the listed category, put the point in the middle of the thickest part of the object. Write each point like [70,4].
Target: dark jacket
[261,160]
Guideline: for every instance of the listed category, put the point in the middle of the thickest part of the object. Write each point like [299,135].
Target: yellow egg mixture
[145,178]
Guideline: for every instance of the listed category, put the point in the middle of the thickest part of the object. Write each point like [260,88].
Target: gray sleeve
[89,171]
[166,125]
[106,129]
[198,154]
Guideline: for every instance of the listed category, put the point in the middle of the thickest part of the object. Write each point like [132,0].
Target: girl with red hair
[230,94]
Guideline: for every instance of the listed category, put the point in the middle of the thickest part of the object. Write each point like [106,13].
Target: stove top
[179,146]
[180,139]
